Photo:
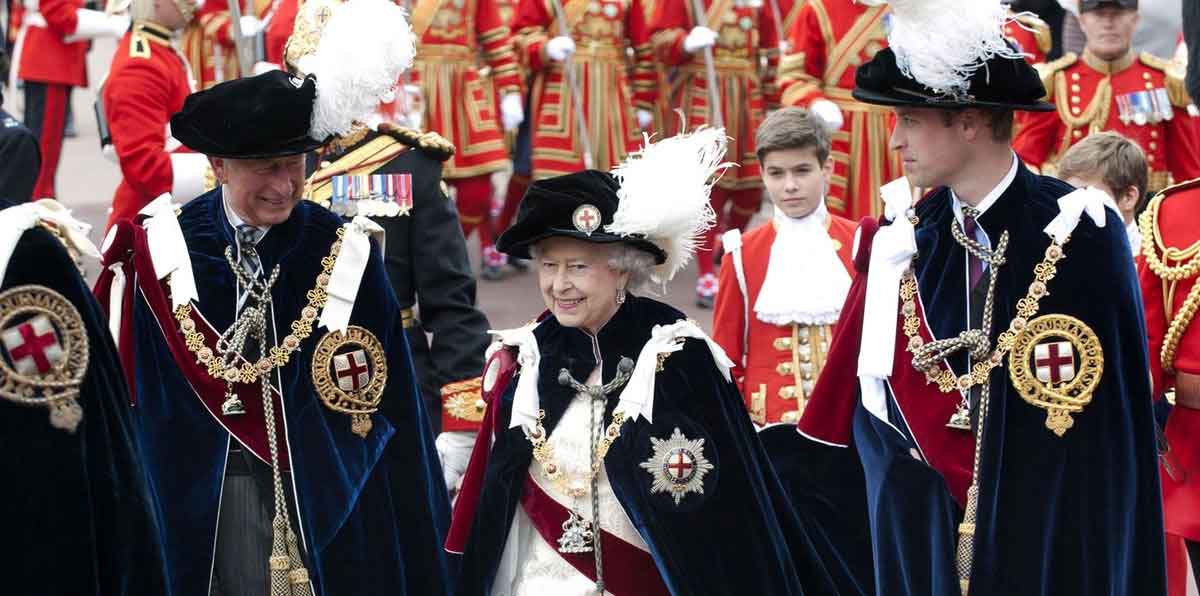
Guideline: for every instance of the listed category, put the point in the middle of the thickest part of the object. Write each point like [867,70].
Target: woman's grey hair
[624,258]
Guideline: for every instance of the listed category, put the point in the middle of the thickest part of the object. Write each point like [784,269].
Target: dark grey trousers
[244,529]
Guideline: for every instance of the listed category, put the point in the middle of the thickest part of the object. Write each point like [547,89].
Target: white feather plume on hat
[364,48]
[941,43]
[664,194]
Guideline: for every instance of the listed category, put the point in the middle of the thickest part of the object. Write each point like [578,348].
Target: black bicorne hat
[1006,83]
[257,117]
[575,205]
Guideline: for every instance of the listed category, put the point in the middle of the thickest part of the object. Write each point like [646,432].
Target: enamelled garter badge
[349,372]
[1056,364]
[678,466]
[43,353]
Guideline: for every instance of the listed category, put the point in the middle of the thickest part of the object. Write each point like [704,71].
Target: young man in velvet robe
[991,366]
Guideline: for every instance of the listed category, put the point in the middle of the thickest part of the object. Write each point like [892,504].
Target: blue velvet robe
[78,519]
[373,512]
[740,536]
[1077,514]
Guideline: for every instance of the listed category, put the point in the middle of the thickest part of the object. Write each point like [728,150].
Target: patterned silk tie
[970,227]
[248,237]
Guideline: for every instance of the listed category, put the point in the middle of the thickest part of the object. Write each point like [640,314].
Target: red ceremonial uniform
[828,41]
[775,366]
[208,42]
[148,82]
[604,31]
[1171,249]
[280,29]
[745,57]
[1137,97]
[1032,36]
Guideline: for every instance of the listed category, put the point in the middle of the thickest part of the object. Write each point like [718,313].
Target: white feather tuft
[941,43]
[664,194]
[365,47]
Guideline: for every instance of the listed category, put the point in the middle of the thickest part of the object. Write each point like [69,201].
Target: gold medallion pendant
[43,353]
[349,372]
[1056,364]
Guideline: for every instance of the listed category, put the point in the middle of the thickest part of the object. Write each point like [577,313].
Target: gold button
[787,392]
[791,417]
[1146,75]
[1074,76]
[1154,134]
[805,358]
[1075,110]
[1153,145]
[804,340]
[1074,99]
[807,376]
[1077,133]
[1074,88]
[783,343]
[1149,85]
[784,368]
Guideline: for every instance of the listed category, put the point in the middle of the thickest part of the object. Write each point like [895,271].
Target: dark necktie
[247,239]
[970,228]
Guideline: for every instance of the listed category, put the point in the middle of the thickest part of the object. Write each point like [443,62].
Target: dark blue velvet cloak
[78,519]
[1077,514]
[739,537]
[373,512]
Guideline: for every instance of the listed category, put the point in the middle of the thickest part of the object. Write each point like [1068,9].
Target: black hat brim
[900,100]
[520,248]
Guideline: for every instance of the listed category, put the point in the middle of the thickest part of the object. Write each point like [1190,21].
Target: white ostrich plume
[365,47]
[941,43]
[664,194]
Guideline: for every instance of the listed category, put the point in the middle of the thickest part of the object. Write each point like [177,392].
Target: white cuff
[187,175]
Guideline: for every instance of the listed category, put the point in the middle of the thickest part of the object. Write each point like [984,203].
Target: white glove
[454,449]
[829,112]
[512,113]
[645,118]
[250,25]
[93,24]
[698,39]
[560,48]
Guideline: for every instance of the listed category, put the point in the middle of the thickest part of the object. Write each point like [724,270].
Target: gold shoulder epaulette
[1175,74]
[431,143]
[1041,31]
[1047,70]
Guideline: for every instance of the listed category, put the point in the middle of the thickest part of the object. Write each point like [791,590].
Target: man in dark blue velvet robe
[78,519]
[360,483]
[993,377]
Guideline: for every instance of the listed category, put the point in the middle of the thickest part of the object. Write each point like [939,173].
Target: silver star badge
[678,466]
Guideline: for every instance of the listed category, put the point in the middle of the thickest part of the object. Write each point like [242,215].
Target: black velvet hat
[576,205]
[1086,5]
[1006,83]
[257,117]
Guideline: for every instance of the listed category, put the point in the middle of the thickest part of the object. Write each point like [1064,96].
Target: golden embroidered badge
[349,373]
[43,353]
[1056,364]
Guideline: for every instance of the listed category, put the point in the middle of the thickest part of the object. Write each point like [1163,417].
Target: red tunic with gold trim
[828,41]
[1031,34]
[781,363]
[280,29]
[746,37]
[604,32]
[1136,96]
[1171,248]
[43,54]
[208,42]
[148,82]
[460,103]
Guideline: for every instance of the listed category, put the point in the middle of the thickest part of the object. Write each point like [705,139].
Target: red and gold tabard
[782,363]
[44,56]
[746,39]
[1031,34]
[1136,96]
[789,11]
[460,103]
[828,41]
[605,33]
[147,84]
[1168,269]
[208,42]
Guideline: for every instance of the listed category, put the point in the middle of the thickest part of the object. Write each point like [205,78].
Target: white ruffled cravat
[806,282]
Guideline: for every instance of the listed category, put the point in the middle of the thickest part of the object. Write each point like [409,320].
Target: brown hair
[1000,122]
[793,128]
[1112,158]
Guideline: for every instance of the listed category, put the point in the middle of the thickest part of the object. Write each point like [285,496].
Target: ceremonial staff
[244,52]
[585,139]
[710,71]
[779,31]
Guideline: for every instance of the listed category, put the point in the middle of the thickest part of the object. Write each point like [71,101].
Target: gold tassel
[279,561]
[298,576]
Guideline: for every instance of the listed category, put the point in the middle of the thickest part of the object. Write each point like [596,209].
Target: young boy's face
[795,180]
[1126,201]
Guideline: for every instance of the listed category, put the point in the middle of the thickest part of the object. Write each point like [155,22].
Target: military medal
[349,373]
[43,353]
[677,466]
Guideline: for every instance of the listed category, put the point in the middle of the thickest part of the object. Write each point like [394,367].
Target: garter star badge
[43,353]
[1055,364]
[586,219]
[349,372]
[678,466]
